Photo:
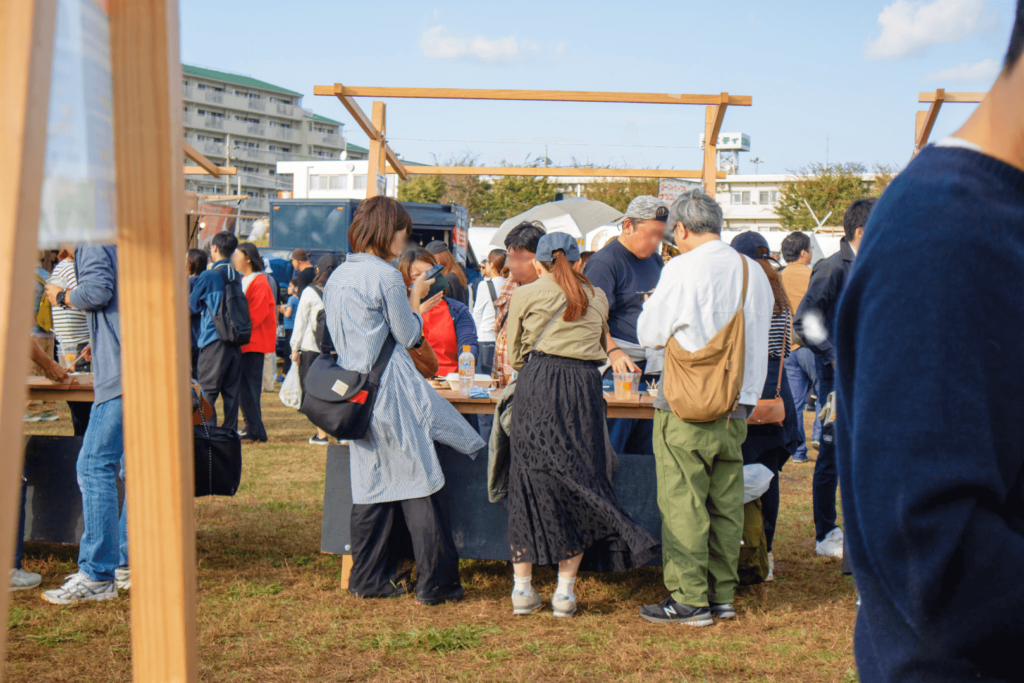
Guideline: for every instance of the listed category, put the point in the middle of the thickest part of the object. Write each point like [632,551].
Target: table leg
[346,570]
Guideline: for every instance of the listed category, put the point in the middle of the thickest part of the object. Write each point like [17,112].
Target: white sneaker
[771,568]
[80,588]
[123,578]
[23,580]
[526,603]
[831,545]
[563,605]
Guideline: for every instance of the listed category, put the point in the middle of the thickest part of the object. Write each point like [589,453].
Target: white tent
[480,240]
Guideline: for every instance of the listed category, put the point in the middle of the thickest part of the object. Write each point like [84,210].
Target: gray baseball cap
[647,208]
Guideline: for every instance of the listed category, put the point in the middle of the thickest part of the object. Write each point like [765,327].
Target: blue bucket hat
[752,245]
[557,241]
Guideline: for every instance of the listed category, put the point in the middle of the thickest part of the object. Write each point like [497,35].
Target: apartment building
[251,124]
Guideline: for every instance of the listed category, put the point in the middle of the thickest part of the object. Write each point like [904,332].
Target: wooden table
[640,407]
[42,389]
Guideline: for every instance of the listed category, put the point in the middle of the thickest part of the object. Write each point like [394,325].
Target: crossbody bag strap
[782,358]
[536,344]
[746,278]
[490,288]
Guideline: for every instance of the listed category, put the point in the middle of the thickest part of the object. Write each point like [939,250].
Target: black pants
[287,344]
[384,534]
[220,374]
[826,475]
[249,395]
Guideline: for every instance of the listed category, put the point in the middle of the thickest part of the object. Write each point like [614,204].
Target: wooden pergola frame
[153,295]
[379,149]
[926,119]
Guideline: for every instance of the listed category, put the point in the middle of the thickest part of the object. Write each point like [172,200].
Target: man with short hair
[801,371]
[103,550]
[627,270]
[220,364]
[700,464]
[815,323]
[521,245]
[302,269]
[931,354]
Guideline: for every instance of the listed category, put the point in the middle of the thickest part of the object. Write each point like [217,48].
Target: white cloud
[437,42]
[911,26]
[983,71]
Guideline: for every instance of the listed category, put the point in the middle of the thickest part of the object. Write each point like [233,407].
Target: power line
[565,144]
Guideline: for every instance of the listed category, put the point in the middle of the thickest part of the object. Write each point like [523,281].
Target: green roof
[356,148]
[324,119]
[234,78]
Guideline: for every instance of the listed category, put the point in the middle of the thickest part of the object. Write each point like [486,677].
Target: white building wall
[345,179]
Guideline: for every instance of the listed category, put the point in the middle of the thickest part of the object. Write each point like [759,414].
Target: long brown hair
[375,224]
[411,256]
[775,280]
[571,283]
[446,259]
[497,260]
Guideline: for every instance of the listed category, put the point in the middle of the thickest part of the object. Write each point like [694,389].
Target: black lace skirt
[560,501]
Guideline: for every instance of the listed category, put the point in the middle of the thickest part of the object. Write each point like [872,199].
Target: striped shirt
[364,300]
[69,326]
[777,334]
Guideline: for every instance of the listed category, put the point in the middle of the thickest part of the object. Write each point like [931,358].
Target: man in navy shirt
[627,270]
[220,365]
[930,348]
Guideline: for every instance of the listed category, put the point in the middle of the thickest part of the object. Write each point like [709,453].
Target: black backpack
[232,322]
[320,332]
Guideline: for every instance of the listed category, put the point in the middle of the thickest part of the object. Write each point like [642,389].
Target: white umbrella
[574,216]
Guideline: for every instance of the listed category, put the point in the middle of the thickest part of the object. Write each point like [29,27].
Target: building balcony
[240,103]
[255,205]
[325,140]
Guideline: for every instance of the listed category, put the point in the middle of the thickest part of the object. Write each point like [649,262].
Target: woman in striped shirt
[396,476]
[70,326]
[772,445]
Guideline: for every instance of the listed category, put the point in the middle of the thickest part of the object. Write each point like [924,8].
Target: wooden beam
[376,162]
[153,290]
[195,156]
[199,170]
[551,172]
[952,97]
[929,120]
[528,95]
[719,117]
[26,52]
[710,151]
[354,109]
[396,164]
[222,197]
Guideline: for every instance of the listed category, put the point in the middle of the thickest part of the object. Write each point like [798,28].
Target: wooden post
[26,53]
[710,152]
[925,124]
[375,165]
[146,71]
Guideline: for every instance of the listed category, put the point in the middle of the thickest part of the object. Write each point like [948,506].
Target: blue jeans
[802,374]
[826,475]
[104,544]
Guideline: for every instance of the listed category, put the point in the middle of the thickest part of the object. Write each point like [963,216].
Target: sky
[830,81]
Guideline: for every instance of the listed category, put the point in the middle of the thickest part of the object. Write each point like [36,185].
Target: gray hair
[697,211]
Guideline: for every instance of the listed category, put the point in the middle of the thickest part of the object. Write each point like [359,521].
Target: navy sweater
[930,425]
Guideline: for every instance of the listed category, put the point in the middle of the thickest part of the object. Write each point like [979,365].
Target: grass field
[270,607]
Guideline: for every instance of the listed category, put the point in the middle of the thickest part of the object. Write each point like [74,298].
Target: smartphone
[440,284]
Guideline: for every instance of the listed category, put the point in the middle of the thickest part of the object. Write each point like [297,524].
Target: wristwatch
[62,298]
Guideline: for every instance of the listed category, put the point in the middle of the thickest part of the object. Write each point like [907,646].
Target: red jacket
[263,314]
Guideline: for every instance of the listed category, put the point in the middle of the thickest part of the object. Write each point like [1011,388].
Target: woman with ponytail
[561,506]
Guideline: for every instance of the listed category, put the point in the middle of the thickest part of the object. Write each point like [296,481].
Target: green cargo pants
[700,496]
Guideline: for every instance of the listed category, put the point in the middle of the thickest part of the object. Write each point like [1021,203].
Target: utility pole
[757,164]
[227,162]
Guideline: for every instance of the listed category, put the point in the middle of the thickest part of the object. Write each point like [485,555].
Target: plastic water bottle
[467,371]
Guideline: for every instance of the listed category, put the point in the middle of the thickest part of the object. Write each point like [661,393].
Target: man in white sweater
[700,465]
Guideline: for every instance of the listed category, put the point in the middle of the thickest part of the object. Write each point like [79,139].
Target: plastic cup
[67,354]
[627,385]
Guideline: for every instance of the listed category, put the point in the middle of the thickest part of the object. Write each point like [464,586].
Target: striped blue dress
[363,299]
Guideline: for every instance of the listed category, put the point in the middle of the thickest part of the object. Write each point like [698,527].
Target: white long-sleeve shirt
[483,308]
[698,294]
[304,334]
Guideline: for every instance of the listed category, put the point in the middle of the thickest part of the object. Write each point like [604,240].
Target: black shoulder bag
[340,401]
[218,457]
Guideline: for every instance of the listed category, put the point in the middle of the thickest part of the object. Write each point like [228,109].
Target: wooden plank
[146,70]
[26,52]
[952,97]
[193,154]
[354,110]
[925,130]
[221,170]
[919,124]
[710,151]
[552,172]
[223,197]
[376,156]
[346,571]
[340,90]
[719,117]
[396,164]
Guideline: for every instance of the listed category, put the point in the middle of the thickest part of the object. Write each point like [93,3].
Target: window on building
[736,197]
[773,197]
[251,169]
[763,197]
[339,182]
[314,182]
[310,126]
[746,197]
[246,119]
[201,86]
[359,182]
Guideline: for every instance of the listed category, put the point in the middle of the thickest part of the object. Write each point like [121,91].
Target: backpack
[44,316]
[320,333]
[232,322]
